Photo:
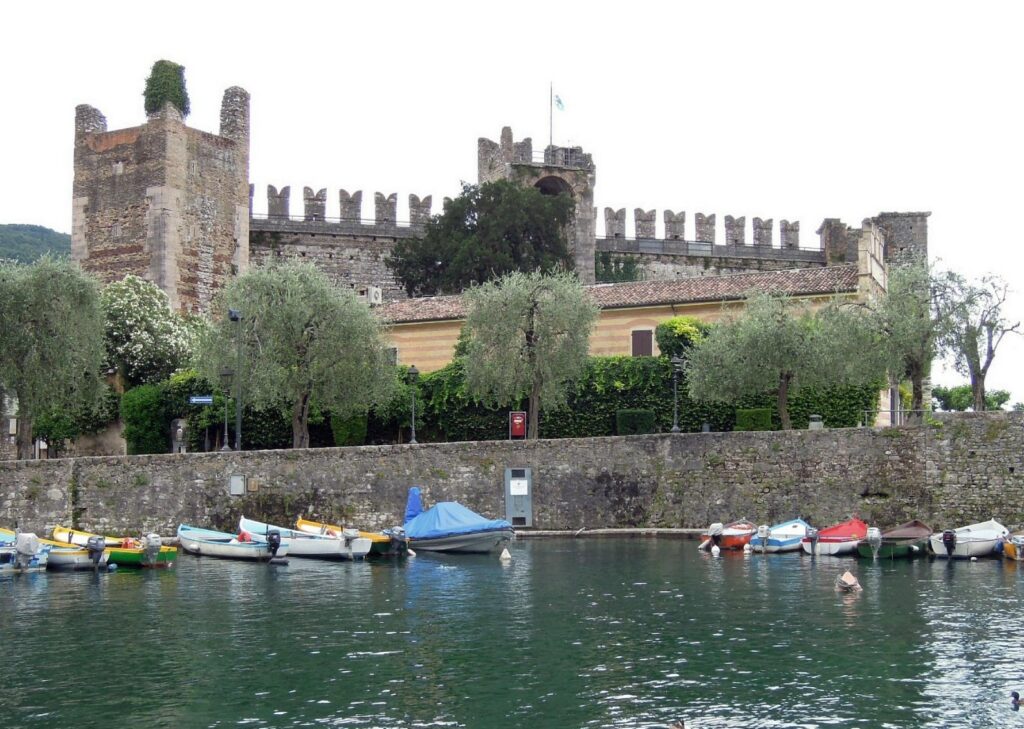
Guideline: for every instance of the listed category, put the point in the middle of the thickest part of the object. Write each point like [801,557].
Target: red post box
[516,425]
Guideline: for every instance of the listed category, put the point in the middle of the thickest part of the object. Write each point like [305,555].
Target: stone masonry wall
[968,468]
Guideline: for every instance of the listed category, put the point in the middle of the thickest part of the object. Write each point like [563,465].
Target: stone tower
[163,201]
[562,170]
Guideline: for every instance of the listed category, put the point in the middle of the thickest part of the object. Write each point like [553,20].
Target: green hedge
[754,419]
[634,422]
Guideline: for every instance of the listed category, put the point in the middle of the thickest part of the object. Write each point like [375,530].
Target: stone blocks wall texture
[969,468]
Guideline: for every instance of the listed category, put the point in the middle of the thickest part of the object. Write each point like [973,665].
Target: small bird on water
[1015,699]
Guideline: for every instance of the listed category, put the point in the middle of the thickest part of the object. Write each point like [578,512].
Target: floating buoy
[111,567]
[410,553]
[974,559]
[505,556]
[747,549]
[715,551]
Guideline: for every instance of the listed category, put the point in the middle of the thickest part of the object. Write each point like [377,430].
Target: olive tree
[298,339]
[777,344]
[529,336]
[972,325]
[51,340]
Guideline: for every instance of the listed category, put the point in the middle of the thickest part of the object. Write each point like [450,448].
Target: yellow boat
[1013,547]
[65,556]
[123,551]
[380,544]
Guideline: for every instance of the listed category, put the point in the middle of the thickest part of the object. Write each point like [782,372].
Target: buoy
[505,556]
[747,549]
[974,559]
[111,567]
[715,551]
[410,553]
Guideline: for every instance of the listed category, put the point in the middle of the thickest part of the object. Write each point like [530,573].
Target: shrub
[349,431]
[677,335]
[166,83]
[753,419]
[634,422]
[146,429]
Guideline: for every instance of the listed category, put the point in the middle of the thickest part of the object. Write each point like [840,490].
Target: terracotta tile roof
[730,287]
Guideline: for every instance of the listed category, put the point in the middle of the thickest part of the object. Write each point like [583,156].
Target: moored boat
[450,527]
[973,540]
[734,535]
[210,543]
[147,552]
[386,543]
[837,539]
[782,537]
[67,557]
[346,546]
[906,540]
[23,553]
[1013,547]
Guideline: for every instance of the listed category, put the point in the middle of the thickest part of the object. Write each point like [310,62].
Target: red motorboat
[840,538]
[729,536]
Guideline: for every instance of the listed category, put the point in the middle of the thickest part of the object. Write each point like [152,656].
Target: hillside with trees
[26,243]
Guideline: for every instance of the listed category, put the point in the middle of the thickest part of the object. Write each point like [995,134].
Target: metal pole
[551,115]
[237,316]
[227,444]
[676,363]
[413,376]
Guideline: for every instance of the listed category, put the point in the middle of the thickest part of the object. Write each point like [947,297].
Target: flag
[558,103]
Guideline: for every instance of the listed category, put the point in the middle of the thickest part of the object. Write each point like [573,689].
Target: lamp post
[677,367]
[236,316]
[413,376]
[225,378]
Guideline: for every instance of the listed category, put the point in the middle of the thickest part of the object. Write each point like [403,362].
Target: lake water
[571,633]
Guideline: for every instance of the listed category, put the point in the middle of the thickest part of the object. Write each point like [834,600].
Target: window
[643,343]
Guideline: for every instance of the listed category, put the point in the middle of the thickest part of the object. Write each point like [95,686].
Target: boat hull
[829,547]
[69,558]
[202,543]
[1014,549]
[381,545]
[965,549]
[309,546]
[122,556]
[895,550]
[775,545]
[472,543]
[38,562]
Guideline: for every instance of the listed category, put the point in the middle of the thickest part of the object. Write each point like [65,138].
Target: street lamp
[225,378]
[677,367]
[236,316]
[413,376]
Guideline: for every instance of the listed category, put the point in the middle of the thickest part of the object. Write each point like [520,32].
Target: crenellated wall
[963,469]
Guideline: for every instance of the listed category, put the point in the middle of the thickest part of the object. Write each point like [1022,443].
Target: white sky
[797,110]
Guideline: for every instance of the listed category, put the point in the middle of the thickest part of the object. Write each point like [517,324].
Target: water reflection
[571,633]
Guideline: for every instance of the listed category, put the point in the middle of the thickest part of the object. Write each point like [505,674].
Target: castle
[173,205]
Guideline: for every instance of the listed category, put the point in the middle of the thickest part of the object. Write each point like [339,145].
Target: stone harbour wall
[961,469]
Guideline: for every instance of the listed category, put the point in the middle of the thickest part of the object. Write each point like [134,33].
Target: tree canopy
[26,243]
[776,344]
[487,231]
[145,340]
[961,397]
[679,334]
[166,83]
[302,340]
[529,337]
[908,325]
[972,325]
[51,327]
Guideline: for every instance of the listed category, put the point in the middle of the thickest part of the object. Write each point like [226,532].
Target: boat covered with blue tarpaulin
[448,526]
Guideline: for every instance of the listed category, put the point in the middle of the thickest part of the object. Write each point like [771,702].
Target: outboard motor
[26,545]
[763,532]
[715,532]
[399,542]
[273,542]
[874,541]
[949,541]
[348,535]
[151,544]
[95,547]
[812,534]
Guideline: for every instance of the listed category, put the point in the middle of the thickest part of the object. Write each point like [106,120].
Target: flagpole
[551,115]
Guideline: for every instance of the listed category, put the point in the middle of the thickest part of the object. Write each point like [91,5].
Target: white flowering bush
[145,340]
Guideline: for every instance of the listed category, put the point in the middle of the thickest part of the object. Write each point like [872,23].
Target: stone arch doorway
[552,185]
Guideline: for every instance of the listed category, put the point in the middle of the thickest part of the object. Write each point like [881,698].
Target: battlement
[704,233]
[495,160]
[349,221]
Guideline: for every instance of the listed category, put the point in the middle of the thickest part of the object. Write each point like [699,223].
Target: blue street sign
[200,399]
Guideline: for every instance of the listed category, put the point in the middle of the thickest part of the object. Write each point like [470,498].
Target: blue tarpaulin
[444,519]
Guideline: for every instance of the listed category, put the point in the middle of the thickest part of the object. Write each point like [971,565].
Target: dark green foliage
[960,397]
[166,83]
[350,431]
[486,232]
[608,384]
[676,336]
[59,426]
[754,419]
[26,243]
[146,430]
[616,270]
[634,421]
